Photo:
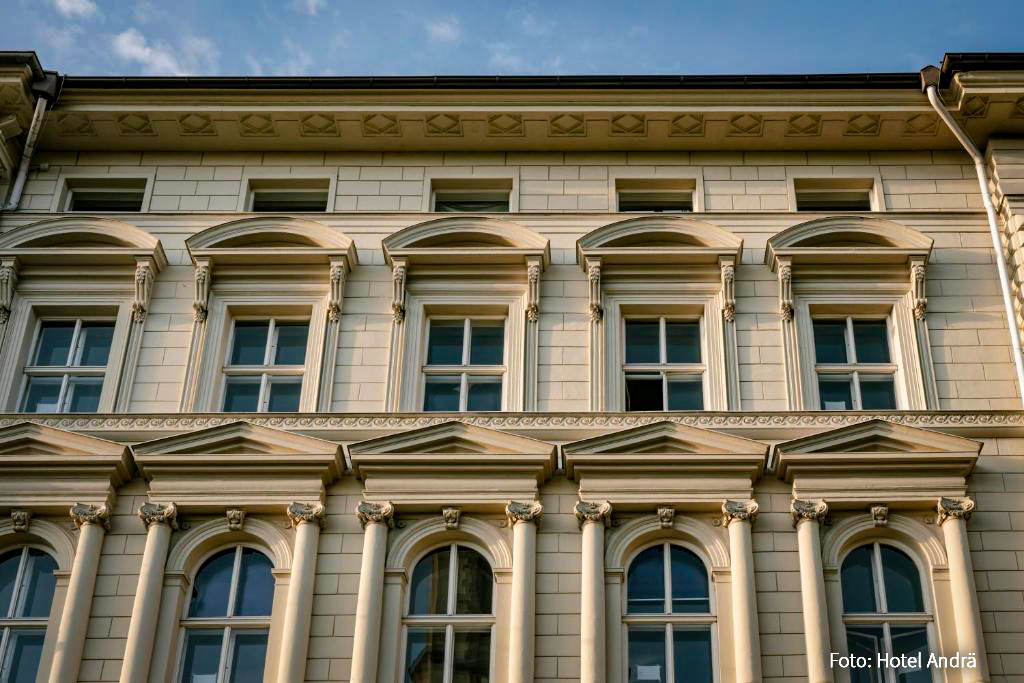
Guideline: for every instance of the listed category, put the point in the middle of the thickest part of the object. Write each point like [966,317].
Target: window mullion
[11,610]
[670,673]
[662,341]
[264,395]
[855,381]
[75,353]
[880,597]
[449,653]
[664,391]
[225,645]
[851,347]
[464,392]
[467,331]
[62,398]
[233,590]
[453,582]
[268,351]
[667,563]
[5,634]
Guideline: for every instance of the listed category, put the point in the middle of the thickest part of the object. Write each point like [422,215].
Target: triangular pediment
[31,439]
[452,438]
[879,436]
[236,438]
[665,437]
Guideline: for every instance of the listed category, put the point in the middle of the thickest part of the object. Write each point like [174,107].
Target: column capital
[810,510]
[523,512]
[743,510]
[157,513]
[21,519]
[83,514]
[376,513]
[600,512]
[306,513]
[955,508]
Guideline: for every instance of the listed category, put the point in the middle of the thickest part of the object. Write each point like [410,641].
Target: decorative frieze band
[83,514]
[593,512]
[811,510]
[306,513]
[156,513]
[742,510]
[523,512]
[954,508]
[376,513]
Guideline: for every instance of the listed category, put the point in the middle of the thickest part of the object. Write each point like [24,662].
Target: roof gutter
[930,77]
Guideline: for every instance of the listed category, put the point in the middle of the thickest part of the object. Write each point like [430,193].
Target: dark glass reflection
[255,585]
[38,598]
[867,642]
[902,581]
[249,657]
[429,585]
[830,341]
[682,342]
[444,343]
[692,652]
[471,656]
[475,583]
[642,345]
[647,655]
[212,585]
[424,658]
[871,341]
[858,582]
[689,582]
[645,584]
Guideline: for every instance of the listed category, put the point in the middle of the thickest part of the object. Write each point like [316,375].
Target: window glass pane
[291,343]
[289,202]
[255,585]
[656,202]
[242,395]
[858,582]
[647,655]
[643,392]
[689,582]
[871,341]
[102,202]
[686,394]
[424,658]
[444,343]
[913,642]
[42,395]
[472,656]
[830,341]
[250,342]
[284,395]
[54,343]
[429,585]
[865,641]
[475,583]
[212,585]
[683,342]
[645,584]
[441,393]
[692,653]
[484,393]
[38,595]
[902,581]
[851,200]
[9,563]
[202,656]
[642,341]
[25,651]
[487,342]
[835,393]
[877,393]
[84,394]
[95,343]
[249,657]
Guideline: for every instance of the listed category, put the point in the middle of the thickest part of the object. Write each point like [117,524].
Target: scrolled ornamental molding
[83,514]
[517,512]
[381,421]
[600,512]
[21,520]
[954,508]
[742,510]
[376,513]
[155,513]
[305,513]
[811,510]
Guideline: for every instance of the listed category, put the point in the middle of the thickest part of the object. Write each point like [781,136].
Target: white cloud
[63,38]
[506,60]
[310,7]
[447,30]
[75,8]
[536,27]
[194,54]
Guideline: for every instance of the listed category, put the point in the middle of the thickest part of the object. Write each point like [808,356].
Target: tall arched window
[26,594]
[668,617]
[228,618]
[450,618]
[884,612]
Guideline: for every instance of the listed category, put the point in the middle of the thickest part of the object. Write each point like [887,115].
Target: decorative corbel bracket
[917,289]
[785,291]
[8,283]
[201,300]
[339,273]
[399,272]
[144,279]
[533,289]
[594,276]
[728,289]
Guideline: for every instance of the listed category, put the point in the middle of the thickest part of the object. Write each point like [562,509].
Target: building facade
[455,380]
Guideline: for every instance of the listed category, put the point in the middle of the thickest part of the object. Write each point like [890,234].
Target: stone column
[807,515]
[523,518]
[953,514]
[92,522]
[376,519]
[593,519]
[298,608]
[737,516]
[160,521]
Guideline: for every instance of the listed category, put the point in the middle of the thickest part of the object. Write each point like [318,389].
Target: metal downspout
[14,198]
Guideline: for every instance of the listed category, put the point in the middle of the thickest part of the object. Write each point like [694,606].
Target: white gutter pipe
[14,197]
[931,89]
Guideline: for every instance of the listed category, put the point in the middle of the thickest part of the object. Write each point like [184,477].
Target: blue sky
[380,37]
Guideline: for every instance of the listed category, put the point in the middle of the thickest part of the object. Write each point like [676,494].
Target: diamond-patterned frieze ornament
[446,125]
[500,125]
[747,125]
[863,124]
[380,124]
[629,125]
[689,125]
[196,124]
[74,123]
[318,125]
[256,125]
[921,124]
[803,125]
[135,124]
[561,125]
[974,107]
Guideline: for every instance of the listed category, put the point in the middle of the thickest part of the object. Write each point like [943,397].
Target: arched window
[884,612]
[26,594]
[228,618]
[450,618]
[668,616]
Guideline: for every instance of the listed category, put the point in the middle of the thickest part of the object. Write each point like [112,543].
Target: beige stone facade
[569,477]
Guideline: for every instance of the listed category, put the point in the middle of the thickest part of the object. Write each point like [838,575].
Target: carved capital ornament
[155,513]
[600,512]
[376,513]
[742,510]
[811,510]
[83,514]
[954,508]
[517,512]
[306,513]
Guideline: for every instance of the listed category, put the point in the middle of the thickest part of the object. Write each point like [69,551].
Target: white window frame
[268,371]
[884,618]
[633,179]
[100,183]
[259,180]
[231,625]
[836,178]
[667,371]
[450,620]
[666,618]
[853,369]
[482,181]
[465,370]
[9,622]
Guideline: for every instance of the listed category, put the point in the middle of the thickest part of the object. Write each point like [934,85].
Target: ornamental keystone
[236,519]
[666,517]
[20,520]
[452,516]
[593,512]
[376,513]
